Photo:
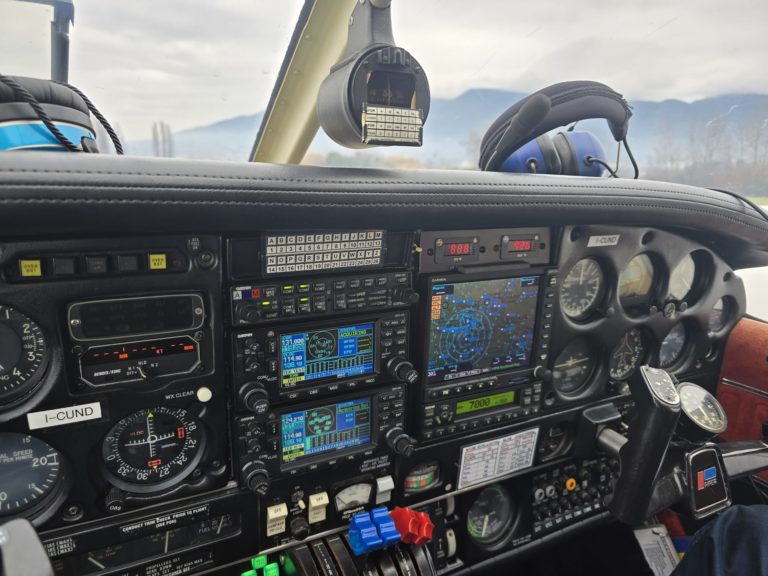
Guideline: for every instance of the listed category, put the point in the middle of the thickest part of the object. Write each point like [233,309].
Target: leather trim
[45,193]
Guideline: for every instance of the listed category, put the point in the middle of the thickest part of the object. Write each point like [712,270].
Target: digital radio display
[481,326]
[325,428]
[327,353]
[485,402]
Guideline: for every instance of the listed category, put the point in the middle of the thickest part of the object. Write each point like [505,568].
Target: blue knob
[385,526]
[363,536]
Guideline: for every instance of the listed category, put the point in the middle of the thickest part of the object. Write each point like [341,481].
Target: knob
[254,397]
[252,344]
[115,501]
[255,477]
[299,528]
[542,373]
[405,294]
[247,312]
[252,364]
[399,442]
[402,370]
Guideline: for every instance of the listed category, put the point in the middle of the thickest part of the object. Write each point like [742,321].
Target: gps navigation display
[481,326]
[333,353]
[325,428]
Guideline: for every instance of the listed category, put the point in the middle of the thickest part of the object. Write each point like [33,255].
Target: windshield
[193,79]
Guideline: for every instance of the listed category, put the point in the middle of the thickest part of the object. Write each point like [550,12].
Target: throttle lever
[641,457]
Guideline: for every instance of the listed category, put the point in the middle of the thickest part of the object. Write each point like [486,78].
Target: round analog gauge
[353,496]
[31,475]
[573,367]
[627,356]
[636,282]
[422,477]
[681,279]
[582,289]
[23,354]
[719,315]
[673,346]
[702,408]
[152,449]
[490,515]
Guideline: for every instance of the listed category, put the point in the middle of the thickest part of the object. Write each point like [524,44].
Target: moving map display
[481,326]
[325,428]
[327,353]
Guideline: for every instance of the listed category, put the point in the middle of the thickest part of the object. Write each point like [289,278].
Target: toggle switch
[384,487]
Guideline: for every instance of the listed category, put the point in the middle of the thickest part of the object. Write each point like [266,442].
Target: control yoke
[659,467]
[21,551]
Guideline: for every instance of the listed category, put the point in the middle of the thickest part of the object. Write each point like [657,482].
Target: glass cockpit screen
[327,353]
[481,326]
[325,428]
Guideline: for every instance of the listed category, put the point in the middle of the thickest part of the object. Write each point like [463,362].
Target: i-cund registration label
[498,457]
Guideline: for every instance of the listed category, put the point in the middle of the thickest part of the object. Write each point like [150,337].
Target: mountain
[724,129]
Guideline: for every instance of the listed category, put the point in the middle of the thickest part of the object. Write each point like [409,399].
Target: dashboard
[184,401]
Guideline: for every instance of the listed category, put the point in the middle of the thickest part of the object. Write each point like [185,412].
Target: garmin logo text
[68,415]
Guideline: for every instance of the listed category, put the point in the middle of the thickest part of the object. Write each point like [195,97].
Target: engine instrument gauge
[673,346]
[582,289]
[573,367]
[636,282]
[23,354]
[152,449]
[490,516]
[422,477]
[704,416]
[31,477]
[627,356]
[353,496]
[719,315]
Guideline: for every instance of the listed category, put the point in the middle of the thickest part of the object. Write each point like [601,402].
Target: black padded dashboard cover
[53,194]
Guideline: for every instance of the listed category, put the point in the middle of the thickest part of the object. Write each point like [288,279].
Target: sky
[192,62]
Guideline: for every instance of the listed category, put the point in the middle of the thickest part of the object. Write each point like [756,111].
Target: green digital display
[485,402]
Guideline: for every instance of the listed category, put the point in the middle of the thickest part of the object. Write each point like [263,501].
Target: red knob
[414,527]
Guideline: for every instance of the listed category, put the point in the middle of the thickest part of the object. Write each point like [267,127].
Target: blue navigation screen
[325,428]
[332,353]
[481,326]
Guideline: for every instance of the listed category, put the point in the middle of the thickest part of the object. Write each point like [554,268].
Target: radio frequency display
[325,428]
[326,353]
[481,326]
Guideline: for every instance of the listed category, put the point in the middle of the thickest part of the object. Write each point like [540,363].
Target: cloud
[193,62]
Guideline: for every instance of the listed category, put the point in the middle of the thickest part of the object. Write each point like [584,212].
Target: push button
[30,268]
[63,266]
[127,263]
[96,264]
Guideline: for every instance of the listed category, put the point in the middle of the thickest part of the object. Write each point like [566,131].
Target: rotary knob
[399,442]
[255,476]
[247,312]
[114,503]
[254,397]
[402,370]
[299,528]
[405,294]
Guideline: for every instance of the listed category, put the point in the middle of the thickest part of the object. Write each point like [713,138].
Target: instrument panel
[200,400]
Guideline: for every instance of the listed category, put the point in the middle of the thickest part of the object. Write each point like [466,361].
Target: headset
[37,114]
[518,141]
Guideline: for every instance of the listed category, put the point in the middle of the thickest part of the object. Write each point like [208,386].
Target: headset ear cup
[552,162]
[567,152]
